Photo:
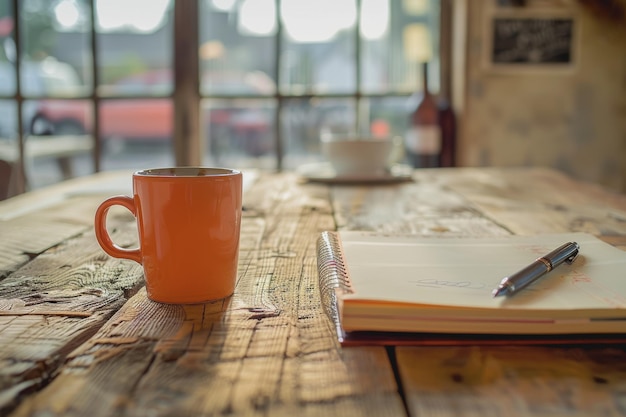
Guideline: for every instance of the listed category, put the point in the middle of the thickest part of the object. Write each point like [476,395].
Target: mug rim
[186,172]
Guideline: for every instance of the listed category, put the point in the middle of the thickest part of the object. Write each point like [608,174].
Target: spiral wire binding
[333,277]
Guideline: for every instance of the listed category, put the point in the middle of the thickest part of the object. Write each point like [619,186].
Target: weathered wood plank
[532,201]
[54,303]
[98,186]
[423,207]
[269,349]
[21,239]
[514,381]
[31,233]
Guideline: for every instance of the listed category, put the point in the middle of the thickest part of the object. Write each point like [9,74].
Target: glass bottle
[423,137]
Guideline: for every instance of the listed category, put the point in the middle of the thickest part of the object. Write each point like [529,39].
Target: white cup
[358,155]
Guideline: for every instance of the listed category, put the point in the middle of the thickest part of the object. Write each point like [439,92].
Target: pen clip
[572,257]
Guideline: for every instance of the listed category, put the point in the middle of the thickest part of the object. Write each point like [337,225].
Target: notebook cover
[437,339]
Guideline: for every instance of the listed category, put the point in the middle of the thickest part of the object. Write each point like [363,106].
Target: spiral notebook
[382,289]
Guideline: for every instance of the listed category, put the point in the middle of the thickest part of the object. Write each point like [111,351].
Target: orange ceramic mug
[188,220]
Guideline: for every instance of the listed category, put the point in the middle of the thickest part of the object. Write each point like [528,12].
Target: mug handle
[102,235]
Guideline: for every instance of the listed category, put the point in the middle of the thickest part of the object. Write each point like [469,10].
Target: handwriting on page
[585,283]
[436,283]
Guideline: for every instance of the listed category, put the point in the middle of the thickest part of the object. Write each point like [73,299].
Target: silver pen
[513,283]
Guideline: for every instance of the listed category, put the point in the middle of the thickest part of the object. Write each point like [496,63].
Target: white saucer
[324,172]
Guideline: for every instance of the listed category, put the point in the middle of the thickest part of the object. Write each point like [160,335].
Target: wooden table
[78,337]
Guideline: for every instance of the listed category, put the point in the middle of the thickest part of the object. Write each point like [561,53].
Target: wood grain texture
[31,232]
[424,207]
[267,350]
[57,300]
[540,201]
[514,381]
[21,239]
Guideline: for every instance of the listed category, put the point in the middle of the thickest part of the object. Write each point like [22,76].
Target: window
[84,87]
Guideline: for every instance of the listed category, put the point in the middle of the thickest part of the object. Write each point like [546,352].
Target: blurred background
[96,85]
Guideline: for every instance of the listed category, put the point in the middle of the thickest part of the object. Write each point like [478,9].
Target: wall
[572,118]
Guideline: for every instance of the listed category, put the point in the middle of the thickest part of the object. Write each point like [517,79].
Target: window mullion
[187,130]
[280,100]
[95,98]
[20,185]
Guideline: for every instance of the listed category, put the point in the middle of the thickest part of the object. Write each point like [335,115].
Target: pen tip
[498,291]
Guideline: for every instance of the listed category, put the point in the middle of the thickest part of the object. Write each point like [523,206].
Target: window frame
[186,96]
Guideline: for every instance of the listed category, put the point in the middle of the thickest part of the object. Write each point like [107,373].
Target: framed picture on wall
[530,42]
